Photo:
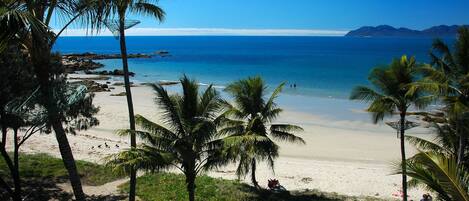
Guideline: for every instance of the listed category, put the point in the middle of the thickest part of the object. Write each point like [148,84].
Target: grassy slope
[168,186]
[45,166]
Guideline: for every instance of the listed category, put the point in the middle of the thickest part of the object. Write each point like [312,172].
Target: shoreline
[345,160]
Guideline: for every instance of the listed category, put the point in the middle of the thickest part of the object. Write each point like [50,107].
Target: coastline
[347,157]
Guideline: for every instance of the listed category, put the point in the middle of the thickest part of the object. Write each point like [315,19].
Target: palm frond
[364,94]
[424,145]
[441,173]
[148,9]
[284,132]
[169,107]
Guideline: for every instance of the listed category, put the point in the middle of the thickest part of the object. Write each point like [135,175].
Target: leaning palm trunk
[403,157]
[130,106]
[68,159]
[41,61]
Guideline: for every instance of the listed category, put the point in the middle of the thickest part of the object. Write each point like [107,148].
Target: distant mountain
[389,31]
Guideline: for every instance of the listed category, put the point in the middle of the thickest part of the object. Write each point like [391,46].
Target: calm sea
[324,69]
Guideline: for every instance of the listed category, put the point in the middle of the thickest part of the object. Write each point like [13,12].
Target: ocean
[324,69]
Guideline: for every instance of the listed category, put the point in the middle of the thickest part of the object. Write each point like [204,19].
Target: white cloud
[212,32]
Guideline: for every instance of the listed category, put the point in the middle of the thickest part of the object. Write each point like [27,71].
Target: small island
[389,31]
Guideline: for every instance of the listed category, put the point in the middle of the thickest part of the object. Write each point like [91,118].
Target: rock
[94,86]
[122,84]
[162,53]
[115,72]
[101,77]
[84,61]
[119,94]
[167,83]
[306,179]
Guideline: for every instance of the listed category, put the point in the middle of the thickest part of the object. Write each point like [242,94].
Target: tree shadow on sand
[47,189]
[264,194]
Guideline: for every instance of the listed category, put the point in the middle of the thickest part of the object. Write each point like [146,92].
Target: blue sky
[342,15]
[311,14]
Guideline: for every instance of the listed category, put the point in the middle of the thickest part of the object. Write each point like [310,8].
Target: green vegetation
[170,186]
[43,166]
[442,164]
[250,128]
[187,140]
[392,95]
[26,24]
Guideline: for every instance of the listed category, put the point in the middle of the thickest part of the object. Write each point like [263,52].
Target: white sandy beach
[352,158]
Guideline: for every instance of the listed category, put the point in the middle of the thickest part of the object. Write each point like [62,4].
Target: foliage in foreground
[170,186]
[439,173]
[40,166]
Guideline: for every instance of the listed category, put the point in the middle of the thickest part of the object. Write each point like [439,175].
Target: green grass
[169,186]
[42,166]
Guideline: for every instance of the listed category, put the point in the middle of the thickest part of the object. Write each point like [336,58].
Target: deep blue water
[323,68]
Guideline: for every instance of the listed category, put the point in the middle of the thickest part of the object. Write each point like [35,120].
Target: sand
[347,157]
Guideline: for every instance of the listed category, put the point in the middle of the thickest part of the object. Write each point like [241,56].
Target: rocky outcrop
[94,86]
[115,72]
[93,56]
[85,61]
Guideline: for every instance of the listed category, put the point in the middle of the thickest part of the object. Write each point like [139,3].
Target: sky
[295,17]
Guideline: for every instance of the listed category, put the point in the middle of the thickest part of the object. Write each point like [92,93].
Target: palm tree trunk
[253,174]
[190,180]
[404,171]
[4,135]
[16,171]
[40,56]
[68,159]
[10,165]
[130,106]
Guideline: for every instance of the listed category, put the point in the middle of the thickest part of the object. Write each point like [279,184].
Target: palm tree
[439,173]
[448,77]
[187,138]
[392,95]
[249,124]
[121,8]
[26,23]
[446,140]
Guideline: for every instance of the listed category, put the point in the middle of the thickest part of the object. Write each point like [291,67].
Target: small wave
[214,86]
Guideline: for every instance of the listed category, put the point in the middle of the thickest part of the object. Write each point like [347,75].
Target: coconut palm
[439,173]
[26,23]
[249,124]
[121,8]
[186,138]
[446,140]
[391,95]
[448,77]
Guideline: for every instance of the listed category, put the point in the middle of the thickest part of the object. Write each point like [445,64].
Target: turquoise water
[325,69]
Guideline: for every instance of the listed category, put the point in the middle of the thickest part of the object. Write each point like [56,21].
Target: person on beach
[426,197]
[274,185]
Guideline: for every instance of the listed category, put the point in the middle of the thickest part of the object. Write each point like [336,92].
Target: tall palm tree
[448,77]
[121,8]
[26,22]
[249,124]
[186,139]
[392,95]
[439,173]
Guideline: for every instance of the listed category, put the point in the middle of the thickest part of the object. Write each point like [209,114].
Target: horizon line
[208,32]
